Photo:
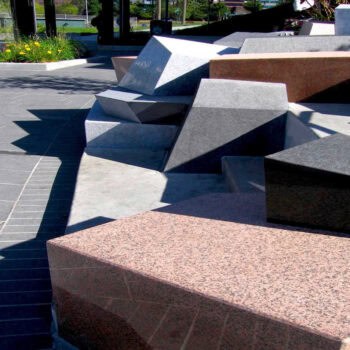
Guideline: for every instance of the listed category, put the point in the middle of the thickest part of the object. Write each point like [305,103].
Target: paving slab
[210,260]
[127,183]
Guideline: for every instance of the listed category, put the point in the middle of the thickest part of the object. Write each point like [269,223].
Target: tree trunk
[159,9]
[184,11]
[124,20]
[23,14]
[50,18]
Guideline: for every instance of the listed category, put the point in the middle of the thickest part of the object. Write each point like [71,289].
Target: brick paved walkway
[41,142]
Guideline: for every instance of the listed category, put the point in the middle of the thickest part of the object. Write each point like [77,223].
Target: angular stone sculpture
[171,67]
[236,40]
[309,185]
[139,108]
[296,44]
[309,76]
[230,117]
[342,16]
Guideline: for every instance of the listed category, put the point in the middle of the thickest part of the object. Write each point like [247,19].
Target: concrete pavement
[41,143]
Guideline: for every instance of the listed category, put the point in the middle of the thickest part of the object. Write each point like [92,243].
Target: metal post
[87,12]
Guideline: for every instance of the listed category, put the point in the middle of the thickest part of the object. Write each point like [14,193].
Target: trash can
[160,27]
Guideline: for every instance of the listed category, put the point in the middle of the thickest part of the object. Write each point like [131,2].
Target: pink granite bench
[306,74]
[208,273]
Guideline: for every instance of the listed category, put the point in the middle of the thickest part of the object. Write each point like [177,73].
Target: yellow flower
[49,52]
[59,51]
[8,50]
[28,48]
[36,43]
[22,53]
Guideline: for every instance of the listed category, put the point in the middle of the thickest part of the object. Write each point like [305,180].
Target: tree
[67,8]
[94,7]
[253,5]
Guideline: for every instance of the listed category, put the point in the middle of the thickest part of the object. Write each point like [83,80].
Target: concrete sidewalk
[41,143]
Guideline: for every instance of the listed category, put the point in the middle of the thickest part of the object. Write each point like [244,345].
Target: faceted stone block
[342,17]
[309,185]
[244,174]
[296,44]
[229,118]
[206,273]
[103,131]
[169,66]
[121,65]
[132,106]
[316,28]
[236,40]
[300,71]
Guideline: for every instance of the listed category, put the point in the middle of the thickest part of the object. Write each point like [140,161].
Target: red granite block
[174,329]
[238,331]
[302,340]
[147,319]
[88,326]
[207,331]
[270,334]
[300,71]
[123,308]
[279,284]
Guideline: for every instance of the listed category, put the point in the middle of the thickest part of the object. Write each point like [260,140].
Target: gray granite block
[236,40]
[230,117]
[309,185]
[317,28]
[169,66]
[136,107]
[244,174]
[297,132]
[342,17]
[296,44]
[103,131]
[324,119]
[5,209]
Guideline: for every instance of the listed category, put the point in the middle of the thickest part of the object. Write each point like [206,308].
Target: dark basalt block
[309,185]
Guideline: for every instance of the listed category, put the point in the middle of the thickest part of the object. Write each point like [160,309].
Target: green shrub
[41,50]
[253,5]
[39,9]
[67,8]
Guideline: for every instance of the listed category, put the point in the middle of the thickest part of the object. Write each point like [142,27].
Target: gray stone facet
[342,20]
[236,40]
[139,108]
[105,132]
[169,66]
[244,174]
[309,185]
[316,28]
[230,117]
[296,44]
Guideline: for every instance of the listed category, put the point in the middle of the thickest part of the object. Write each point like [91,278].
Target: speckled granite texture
[207,273]
[300,71]
[309,185]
